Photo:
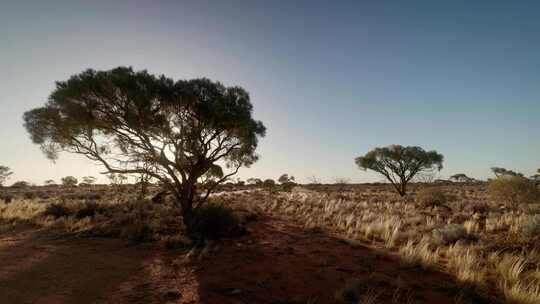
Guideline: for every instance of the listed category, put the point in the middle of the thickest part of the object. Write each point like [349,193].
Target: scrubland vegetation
[484,235]
[478,232]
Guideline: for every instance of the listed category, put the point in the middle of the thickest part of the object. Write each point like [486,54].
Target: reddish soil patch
[277,262]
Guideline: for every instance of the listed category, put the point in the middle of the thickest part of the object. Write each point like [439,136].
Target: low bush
[57,211]
[514,190]
[431,197]
[89,209]
[449,234]
[212,222]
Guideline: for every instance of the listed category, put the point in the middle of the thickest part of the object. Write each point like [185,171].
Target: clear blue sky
[330,79]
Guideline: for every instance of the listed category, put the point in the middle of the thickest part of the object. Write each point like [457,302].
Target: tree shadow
[280,262]
[40,267]
[276,262]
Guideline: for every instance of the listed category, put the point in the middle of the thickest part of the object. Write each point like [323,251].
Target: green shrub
[430,197]
[212,222]
[514,190]
[57,211]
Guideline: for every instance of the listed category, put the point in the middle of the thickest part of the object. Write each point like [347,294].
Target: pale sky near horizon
[329,79]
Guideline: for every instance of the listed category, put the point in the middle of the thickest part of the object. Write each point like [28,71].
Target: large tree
[5,172]
[133,122]
[400,164]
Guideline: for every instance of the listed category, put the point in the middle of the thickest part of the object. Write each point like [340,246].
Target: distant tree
[285,178]
[254,181]
[69,181]
[461,178]
[117,179]
[20,184]
[535,177]
[132,122]
[89,180]
[50,182]
[502,172]
[143,181]
[269,182]
[400,164]
[5,172]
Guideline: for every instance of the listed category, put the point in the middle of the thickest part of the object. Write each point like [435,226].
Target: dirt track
[277,262]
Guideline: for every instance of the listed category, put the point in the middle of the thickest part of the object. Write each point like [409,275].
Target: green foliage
[132,122]
[399,164]
[5,172]
[69,181]
[514,190]
[212,222]
[502,172]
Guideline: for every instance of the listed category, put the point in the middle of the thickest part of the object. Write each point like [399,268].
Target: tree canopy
[503,172]
[133,122]
[69,181]
[5,173]
[399,164]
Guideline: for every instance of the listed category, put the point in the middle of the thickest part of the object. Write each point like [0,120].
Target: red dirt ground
[277,262]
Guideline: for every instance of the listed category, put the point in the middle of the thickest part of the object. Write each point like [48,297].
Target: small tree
[117,179]
[134,122]
[69,181]
[20,184]
[50,182]
[502,172]
[5,172]
[461,178]
[89,180]
[269,182]
[399,164]
[254,181]
[285,178]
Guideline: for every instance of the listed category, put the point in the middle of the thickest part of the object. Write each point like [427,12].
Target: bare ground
[276,262]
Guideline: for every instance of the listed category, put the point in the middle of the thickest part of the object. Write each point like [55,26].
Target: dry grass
[482,242]
[458,237]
